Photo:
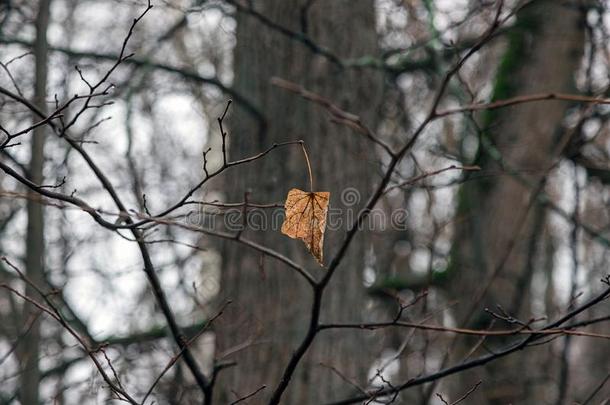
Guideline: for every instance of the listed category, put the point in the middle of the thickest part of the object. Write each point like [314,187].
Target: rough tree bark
[34,259]
[270,302]
[543,53]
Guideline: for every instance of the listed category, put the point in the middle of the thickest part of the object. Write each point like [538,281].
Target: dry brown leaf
[306,219]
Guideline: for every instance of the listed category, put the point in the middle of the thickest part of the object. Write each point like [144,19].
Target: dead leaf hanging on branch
[306,219]
[306,215]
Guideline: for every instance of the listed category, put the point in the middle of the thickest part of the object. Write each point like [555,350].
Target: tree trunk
[497,239]
[271,304]
[30,347]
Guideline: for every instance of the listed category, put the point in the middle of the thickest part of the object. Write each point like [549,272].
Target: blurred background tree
[271,306]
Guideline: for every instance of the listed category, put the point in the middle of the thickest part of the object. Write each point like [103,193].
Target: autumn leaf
[306,219]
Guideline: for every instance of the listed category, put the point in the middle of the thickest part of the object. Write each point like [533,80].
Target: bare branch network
[185,212]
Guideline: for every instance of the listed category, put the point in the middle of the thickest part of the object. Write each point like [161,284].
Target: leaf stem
[308,166]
